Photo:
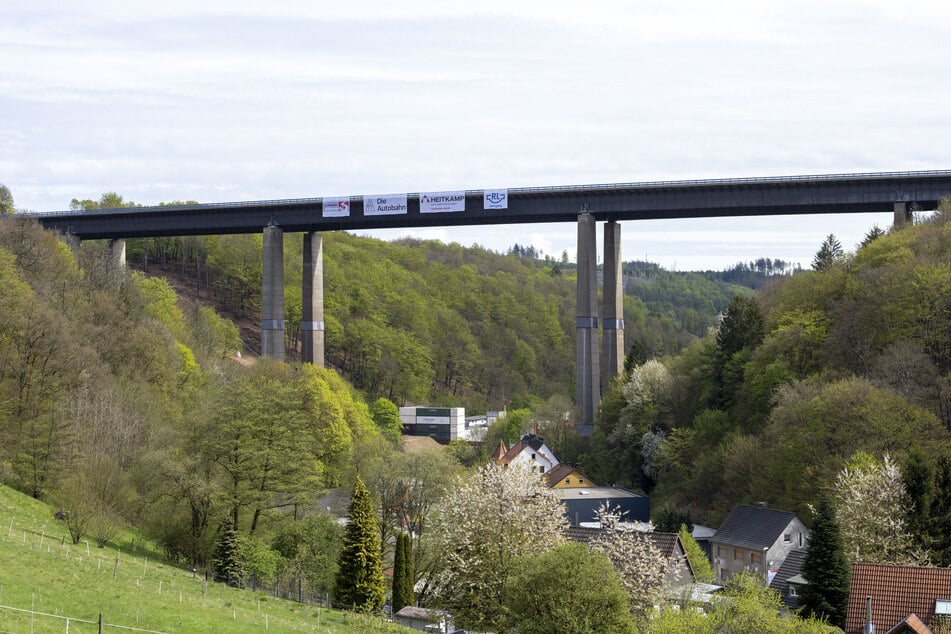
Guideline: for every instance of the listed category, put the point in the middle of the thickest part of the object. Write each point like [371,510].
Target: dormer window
[942,607]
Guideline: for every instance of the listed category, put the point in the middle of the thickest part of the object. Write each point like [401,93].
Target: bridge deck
[780,195]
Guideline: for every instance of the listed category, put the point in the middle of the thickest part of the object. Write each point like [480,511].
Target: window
[568,480]
[787,538]
[533,456]
[800,540]
[792,590]
[756,557]
[942,607]
[737,555]
[542,469]
[580,480]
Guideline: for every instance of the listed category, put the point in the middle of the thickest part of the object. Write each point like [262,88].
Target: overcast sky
[231,100]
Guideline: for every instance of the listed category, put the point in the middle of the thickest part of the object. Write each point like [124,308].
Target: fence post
[100,623]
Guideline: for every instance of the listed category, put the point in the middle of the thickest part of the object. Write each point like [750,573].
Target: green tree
[826,569]
[6,201]
[699,564]
[829,254]
[310,547]
[741,330]
[871,235]
[402,573]
[569,590]
[918,474]
[227,557]
[939,524]
[360,584]
[386,415]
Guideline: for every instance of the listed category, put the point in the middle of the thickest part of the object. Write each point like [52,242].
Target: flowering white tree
[872,508]
[642,566]
[649,382]
[479,530]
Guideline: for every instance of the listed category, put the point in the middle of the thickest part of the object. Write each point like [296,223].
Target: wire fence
[30,618]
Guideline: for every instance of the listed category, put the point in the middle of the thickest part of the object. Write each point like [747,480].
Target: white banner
[435,202]
[388,205]
[336,207]
[495,199]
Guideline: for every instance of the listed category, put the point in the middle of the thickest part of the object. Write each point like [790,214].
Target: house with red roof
[899,599]
[531,450]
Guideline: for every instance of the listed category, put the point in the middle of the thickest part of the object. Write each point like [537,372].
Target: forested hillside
[424,322]
[853,356]
[118,406]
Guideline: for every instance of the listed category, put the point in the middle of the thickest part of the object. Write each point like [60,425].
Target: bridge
[900,193]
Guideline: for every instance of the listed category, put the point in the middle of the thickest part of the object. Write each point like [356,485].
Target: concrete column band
[312,325]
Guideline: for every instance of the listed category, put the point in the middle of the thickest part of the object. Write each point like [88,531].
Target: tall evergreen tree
[402,573]
[826,569]
[939,522]
[829,253]
[742,329]
[227,564]
[918,474]
[360,583]
[699,564]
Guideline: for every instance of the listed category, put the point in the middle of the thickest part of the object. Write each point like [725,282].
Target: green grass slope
[41,569]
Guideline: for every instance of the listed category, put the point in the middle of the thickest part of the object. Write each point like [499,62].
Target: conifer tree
[227,564]
[939,522]
[402,573]
[359,582]
[699,564]
[826,569]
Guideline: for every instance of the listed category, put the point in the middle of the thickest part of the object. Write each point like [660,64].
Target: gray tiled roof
[790,569]
[752,527]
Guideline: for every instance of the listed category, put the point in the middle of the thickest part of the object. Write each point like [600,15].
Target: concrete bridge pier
[903,215]
[272,294]
[612,307]
[587,364]
[116,254]
[312,313]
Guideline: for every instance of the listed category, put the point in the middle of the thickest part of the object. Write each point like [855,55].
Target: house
[581,505]
[679,572]
[788,580]
[756,539]
[423,619]
[530,450]
[564,476]
[900,598]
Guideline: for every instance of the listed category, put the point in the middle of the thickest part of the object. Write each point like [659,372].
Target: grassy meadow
[40,569]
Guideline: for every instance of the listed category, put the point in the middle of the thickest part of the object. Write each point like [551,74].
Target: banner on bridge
[495,199]
[436,202]
[336,207]
[389,205]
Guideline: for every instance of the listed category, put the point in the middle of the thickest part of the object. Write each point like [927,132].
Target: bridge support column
[117,254]
[612,307]
[902,215]
[587,365]
[312,314]
[272,294]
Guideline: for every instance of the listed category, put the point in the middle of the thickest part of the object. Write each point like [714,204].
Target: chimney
[869,626]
